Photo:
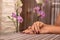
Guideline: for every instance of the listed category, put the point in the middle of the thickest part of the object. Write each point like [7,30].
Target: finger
[26,31]
[39,31]
[29,27]
[41,25]
[33,27]
[31,33]
[36,28]
[23,31]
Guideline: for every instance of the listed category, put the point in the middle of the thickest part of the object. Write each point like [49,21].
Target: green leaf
[9,17]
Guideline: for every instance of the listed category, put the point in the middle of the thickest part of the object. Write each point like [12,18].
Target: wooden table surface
[21,36]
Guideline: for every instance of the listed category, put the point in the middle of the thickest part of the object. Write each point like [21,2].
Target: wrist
[52,29]
[49,28]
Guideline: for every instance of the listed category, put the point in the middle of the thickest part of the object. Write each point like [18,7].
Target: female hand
[37,26]
[28,30]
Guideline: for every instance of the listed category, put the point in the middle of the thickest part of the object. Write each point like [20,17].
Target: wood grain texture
[29,17]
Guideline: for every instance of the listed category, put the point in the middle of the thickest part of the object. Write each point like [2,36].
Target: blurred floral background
[17,15]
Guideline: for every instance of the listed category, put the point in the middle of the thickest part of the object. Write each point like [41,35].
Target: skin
[40,27]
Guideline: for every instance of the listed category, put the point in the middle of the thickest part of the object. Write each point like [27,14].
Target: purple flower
[43,5]
[41,13]
[14,15]
[20,19]
[46,0]
[37,8]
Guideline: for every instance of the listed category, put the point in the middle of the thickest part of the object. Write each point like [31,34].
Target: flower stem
[17,27]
